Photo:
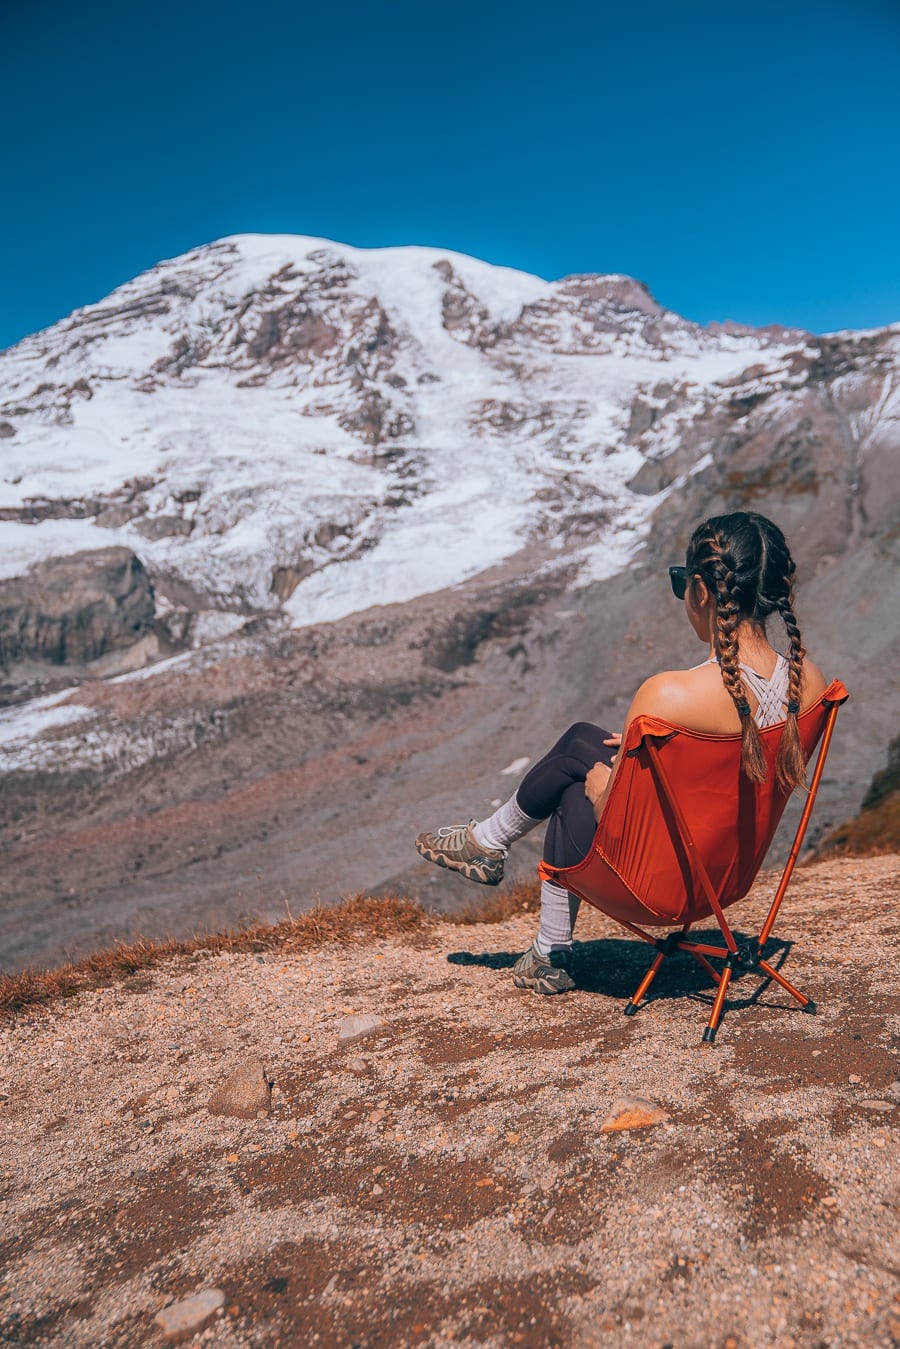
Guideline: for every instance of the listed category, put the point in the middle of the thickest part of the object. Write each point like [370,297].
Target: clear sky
[742,160]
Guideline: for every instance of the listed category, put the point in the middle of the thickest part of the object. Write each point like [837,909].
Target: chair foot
[810,1007]
[630,1008]
[709,1035]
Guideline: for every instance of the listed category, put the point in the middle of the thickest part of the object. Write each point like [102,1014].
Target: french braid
[745,562]
[790,764]
[728,619]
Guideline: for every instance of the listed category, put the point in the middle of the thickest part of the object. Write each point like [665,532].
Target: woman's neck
[752,645]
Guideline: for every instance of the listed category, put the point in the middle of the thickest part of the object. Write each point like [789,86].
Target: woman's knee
[580,732]
[584,741]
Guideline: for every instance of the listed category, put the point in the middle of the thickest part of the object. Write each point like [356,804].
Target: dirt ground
[444,1180]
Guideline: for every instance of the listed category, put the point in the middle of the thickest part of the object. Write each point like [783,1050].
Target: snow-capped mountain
[284,421]
[300,430]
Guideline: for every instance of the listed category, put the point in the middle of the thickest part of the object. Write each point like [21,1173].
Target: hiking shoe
[543,974]
[455,848]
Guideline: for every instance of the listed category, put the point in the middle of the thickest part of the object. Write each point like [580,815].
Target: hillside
[444,1179]
[304,545]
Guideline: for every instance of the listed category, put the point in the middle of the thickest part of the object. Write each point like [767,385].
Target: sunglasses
[678,577]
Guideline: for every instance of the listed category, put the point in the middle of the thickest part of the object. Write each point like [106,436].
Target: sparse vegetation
[359,918]
[876,829]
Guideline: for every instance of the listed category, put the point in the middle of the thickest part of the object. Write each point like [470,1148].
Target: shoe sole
[542,986]
[467,869]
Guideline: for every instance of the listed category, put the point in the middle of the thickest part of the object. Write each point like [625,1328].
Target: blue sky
[742,160]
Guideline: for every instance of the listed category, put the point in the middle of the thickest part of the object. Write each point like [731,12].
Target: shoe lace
[455,835]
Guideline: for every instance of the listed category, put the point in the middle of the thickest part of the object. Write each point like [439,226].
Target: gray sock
[508,823]
[559,909]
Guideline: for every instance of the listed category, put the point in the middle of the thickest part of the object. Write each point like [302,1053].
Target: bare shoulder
[674,694]
[813,682]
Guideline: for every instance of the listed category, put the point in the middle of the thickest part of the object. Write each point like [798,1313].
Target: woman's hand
[595,782]
[614,739]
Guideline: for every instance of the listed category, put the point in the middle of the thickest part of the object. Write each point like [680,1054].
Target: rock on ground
[245,1092]
[357,1028]
[190,1315]
[632,1112]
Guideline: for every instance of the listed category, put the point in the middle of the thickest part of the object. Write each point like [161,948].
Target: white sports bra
[771,694]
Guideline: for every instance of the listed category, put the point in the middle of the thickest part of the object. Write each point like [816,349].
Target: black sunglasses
[679,579]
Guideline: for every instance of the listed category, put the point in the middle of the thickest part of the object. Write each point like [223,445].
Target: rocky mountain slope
[400,514]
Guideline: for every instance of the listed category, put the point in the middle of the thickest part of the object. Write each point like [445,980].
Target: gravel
[446,1179]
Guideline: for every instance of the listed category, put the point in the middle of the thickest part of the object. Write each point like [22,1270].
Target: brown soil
[445,1181]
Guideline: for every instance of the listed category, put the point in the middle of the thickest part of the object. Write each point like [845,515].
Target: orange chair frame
[683,835]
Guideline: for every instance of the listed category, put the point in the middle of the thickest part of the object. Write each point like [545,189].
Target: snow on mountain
[282,421]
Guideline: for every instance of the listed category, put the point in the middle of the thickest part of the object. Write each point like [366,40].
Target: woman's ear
[699,594]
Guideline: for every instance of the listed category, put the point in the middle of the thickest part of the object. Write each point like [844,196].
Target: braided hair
[746,564]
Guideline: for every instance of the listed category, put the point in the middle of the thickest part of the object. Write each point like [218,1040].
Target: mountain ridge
[397,380]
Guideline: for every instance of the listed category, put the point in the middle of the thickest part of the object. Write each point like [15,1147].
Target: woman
[738,573]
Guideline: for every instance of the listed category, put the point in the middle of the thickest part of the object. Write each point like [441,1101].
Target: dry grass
[357,919]
[496,908]
[875,830]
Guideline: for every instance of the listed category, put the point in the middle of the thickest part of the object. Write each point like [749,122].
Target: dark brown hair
[747,566]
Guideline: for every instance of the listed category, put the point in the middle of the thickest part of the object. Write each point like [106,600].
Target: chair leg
[806,1003]
[633,1003]
[715,1015]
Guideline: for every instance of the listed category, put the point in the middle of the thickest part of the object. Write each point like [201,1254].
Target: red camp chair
[684,833]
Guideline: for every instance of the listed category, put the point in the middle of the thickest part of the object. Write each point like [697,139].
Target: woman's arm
[660,696]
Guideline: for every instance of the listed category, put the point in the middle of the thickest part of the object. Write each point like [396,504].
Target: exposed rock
[112,517]
[163,526]
[35,509]
[244,1093]
[285,580]
[632,1112]
[190,1315]
[624,291]
[463,315]
[71,610]
[356,1027]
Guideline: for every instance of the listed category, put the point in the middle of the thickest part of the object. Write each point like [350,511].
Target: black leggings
[554,789]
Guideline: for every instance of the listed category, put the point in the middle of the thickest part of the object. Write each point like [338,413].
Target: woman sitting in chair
[738,573]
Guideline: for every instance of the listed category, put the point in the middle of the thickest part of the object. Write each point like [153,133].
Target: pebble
[355,1027]
[244,1094]
[632,1112]
[184,1318]
[877,1105]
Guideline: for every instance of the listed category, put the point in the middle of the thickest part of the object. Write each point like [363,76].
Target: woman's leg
[569,761]
[546,965]
[478,850]
[540,791]
[569,836]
